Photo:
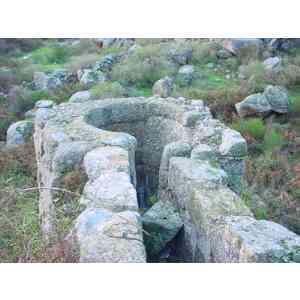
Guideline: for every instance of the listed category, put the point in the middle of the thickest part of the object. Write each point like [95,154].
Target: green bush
[51,55]
[82,61]
[144,67]
[108,90]
[254,127]
[273,140]
[204,52]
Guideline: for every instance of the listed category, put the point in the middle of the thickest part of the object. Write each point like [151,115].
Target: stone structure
[171,148]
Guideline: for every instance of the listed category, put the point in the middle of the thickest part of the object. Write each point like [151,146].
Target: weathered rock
[80,96]
[185,75]
[233,144]
[181,53]
[19,133]
[110,139]
[274,98]
[256,104]
[106,159]
[53,81]
[89,77]
[278,98]
[40,80]
[272,63]
[112,191]
[102,236]
[106,63]
[204,152]
[161,222]
[2,145]
[163,87]
[44,104]
[244,239]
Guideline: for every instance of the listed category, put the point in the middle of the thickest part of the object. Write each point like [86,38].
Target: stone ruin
[133,149]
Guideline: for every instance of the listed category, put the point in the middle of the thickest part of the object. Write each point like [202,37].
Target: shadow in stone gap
[142,187]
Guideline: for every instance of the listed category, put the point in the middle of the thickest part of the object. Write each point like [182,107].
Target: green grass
[108,90]
[295,99]
[254,127]
[20,236]
[273,140]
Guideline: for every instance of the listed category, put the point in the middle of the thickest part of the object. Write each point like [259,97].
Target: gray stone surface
[89,77]
[244,239]
[278,98]
[101,236]
[172,140]
[44,104]
[112,191]
[233,144]
[185,75]
[256,104]
[161,222]
[272,63]
[163,87]
[106,159]
[80,96]
[19,133]
[274,98]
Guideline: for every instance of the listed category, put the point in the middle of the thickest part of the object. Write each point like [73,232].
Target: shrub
[254,127]
[248,53]
[143,67]
[273,140]
[83,61]
[204,52]
[50,55]
[21,99]
[7,78]
[256,74]
[108,90]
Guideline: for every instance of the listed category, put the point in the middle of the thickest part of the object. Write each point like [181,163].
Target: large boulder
[278,98]
[256,104]
[80,96]
[161,222]
[19,133]
[274,98]
[163,87]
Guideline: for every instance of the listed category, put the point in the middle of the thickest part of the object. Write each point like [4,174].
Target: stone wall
[191,160]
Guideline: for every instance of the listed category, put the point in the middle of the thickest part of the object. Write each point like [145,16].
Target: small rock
[233,144]
[163,87]
[272,63]
[90,77]
[186,74]
[80,96]
[223,54]
[44,104]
